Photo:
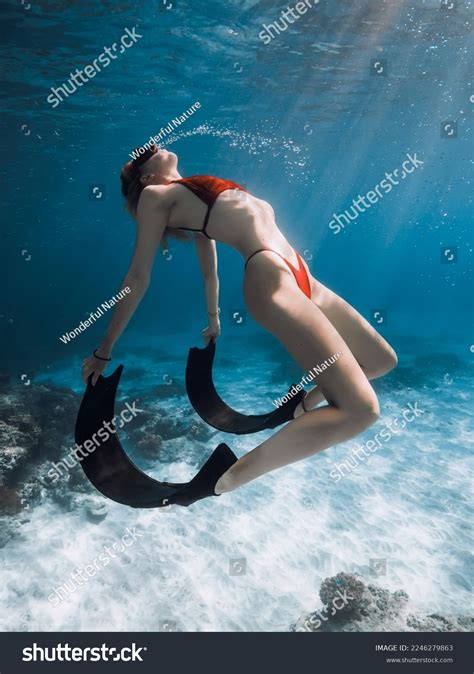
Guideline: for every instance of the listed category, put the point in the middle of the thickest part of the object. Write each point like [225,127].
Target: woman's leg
[280,307]
[373,353]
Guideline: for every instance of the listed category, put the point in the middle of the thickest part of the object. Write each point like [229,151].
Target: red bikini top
[207,188]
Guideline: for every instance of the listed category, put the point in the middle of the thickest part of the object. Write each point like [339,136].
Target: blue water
[306,124]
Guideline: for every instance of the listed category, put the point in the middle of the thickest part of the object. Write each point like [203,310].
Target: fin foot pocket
[203,484]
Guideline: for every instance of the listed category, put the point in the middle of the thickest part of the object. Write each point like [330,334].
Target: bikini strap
[182,181]
[260,250]
[205,223]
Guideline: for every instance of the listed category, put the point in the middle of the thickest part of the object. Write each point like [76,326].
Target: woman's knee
[390,359]
[364,409]
[393,358]
[385,361]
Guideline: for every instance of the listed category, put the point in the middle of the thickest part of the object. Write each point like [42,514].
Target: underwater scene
[354,121]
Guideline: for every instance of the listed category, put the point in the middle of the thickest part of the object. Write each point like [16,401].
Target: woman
[311,321]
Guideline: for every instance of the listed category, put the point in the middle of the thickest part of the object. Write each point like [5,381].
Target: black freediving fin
[111,471]
[107,466]
[202,485]
[214,411]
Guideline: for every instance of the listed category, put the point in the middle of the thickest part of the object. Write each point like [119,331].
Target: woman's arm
[207,255]
[151,223]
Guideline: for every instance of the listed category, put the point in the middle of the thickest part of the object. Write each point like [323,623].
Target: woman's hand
[213,330]
[92,365]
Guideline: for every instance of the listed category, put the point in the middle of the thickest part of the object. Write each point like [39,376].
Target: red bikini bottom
[300,274]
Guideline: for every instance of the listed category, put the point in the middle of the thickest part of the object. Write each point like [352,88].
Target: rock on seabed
[350,605]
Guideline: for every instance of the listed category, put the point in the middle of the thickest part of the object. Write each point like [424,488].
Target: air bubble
[293,158]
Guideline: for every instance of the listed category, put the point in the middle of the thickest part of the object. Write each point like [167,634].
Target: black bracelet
[100,358]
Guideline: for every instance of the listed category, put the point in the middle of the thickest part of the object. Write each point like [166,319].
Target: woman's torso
[237,218]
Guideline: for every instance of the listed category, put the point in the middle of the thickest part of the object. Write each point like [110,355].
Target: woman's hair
[132,188]
[130,175]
